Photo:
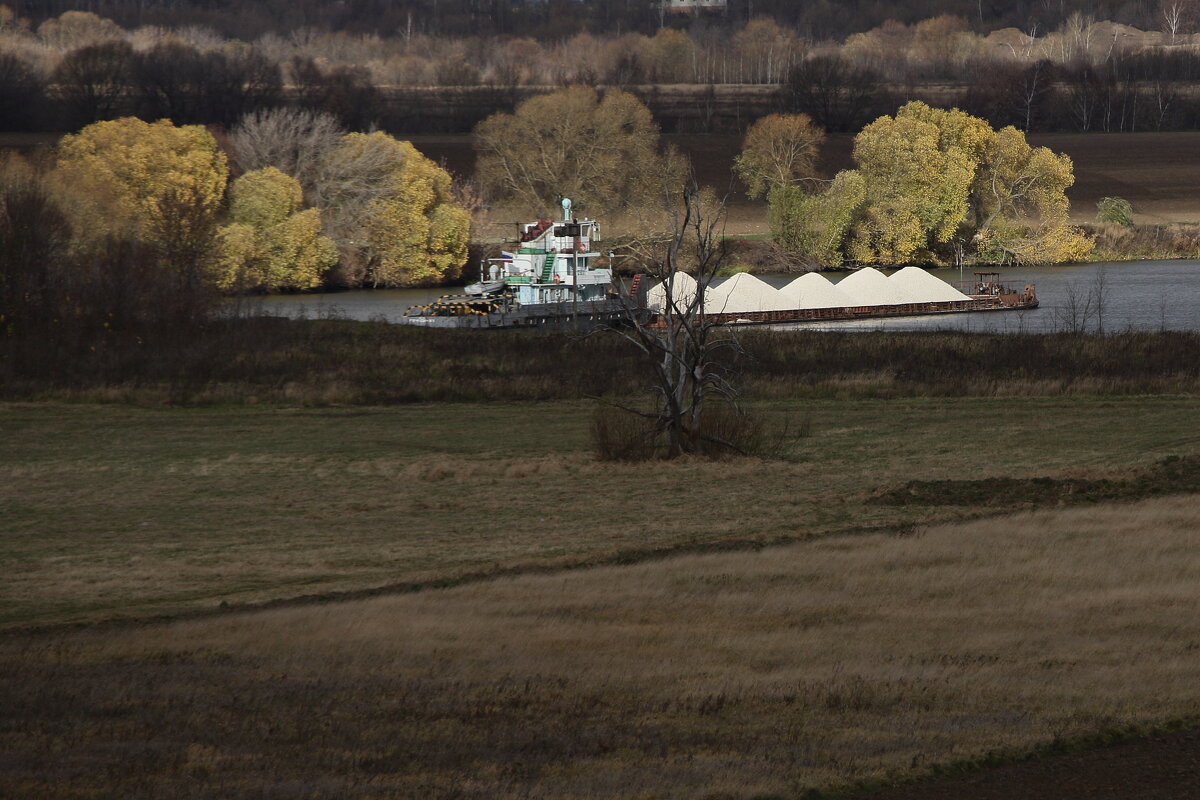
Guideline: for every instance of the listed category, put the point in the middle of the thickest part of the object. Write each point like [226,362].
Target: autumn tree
[154,183]
[272,242]
[1019,203]
[391,211]
[74,29]
[930,183]
[779,150]
[601,150]
[814,225]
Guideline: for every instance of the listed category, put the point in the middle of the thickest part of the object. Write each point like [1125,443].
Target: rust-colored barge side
[1003,299]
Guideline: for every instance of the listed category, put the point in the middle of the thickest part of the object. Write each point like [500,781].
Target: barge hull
[988,303]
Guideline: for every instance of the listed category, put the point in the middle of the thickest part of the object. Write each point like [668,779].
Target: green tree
[1117,210]
[815,224]
[271,242]
[391,209]
[599,150]
[779,150]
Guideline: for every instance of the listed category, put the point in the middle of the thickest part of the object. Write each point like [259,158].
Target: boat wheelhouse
[555,275]
[556,262]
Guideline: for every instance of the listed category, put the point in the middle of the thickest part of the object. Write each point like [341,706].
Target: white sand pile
[683,290]
[744,293]
[814,291]
[930,289]
[870,287]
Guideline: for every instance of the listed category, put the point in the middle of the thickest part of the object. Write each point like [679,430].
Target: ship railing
[988,288]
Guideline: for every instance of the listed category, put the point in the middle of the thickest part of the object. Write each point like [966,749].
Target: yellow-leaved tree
[153,183]
[272,242]
[391,211]
[937,185]
[915,192]
[1021,206]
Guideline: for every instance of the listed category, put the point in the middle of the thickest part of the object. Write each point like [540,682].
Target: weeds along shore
[339,362]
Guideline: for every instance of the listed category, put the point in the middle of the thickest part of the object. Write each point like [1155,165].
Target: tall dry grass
[734,675]
[335,362]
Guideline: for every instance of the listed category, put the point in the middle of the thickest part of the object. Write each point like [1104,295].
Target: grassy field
[118,512]
[728,675]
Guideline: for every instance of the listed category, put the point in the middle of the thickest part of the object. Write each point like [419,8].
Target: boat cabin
[557,261]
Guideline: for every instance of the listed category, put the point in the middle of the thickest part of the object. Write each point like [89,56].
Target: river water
[1135,295]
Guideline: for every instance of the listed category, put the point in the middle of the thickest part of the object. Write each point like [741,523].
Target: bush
[1116,210]
[620,435]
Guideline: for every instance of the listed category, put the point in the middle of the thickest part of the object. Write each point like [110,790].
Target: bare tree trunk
[680,340]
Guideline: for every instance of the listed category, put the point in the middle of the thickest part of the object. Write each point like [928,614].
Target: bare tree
[293,140]
[94,80]
[1083,306]
[683,345]
[21,93]
[1175,14]
[836,94]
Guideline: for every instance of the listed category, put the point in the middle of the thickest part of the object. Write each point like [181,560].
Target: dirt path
[1161,767]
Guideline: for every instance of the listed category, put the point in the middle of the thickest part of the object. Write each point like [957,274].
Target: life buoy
[557,279]
[583,247]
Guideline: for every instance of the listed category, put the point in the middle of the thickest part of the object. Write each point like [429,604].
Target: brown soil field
[1157,172]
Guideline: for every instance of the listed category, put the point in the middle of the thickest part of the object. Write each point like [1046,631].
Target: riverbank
[256,360]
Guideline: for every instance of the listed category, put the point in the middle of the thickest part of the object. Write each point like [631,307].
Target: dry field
[117,511]
[729,675]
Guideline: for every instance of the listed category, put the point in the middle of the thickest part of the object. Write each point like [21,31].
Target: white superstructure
[556,261]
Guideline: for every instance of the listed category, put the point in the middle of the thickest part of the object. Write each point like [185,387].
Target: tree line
[550,19]
[78,68]
[132,228]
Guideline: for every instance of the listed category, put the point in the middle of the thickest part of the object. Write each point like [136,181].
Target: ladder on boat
[548,267]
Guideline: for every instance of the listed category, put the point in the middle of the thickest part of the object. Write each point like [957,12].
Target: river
[1137,295]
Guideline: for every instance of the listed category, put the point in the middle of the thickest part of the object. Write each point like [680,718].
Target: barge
[985,293]
[556,277]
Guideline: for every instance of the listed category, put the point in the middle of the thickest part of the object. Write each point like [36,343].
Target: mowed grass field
[768,673]
[114,512]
